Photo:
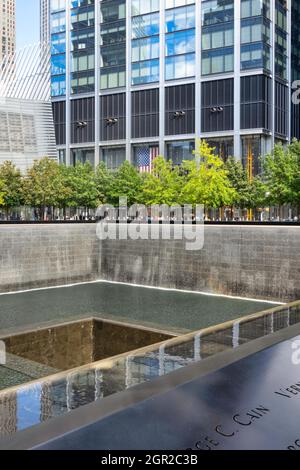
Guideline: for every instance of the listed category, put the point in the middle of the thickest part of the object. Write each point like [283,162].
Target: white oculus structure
[26,121]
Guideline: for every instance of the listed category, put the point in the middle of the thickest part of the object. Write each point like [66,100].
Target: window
[58,64]
[181,151]
[255,34]
[58,85]
[255,8]
[58,22]
[218,36]
[217,61]
[180,42]
[113,44]
[58,48]
[216,12]
[83,156]
[57,5]
[141,7]
[255,30]
[82,47]
[180,66]
[145,25]
[281,40]
[145,49]
[58,43]
[145,43]
[223,147]
[180,18]
[178,3]
[255,55]
[113,78]
[145,72]
[113,157]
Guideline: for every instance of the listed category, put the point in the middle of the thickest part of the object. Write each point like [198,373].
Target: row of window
[178,151]
[217,41]
[58,47]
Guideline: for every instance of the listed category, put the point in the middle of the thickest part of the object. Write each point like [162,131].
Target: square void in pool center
[41,352]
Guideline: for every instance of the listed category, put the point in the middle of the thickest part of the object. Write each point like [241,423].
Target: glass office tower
[44,21]
[7,28]
[131,77]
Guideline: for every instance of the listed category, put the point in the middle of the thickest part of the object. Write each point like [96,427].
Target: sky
[28,27]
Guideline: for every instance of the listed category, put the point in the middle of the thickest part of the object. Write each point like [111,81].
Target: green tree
[39,186]
[295,183]
[239,180]
[206,180]
[125,182]
[281,174]
[11,186]
[82,181]
[257,193]
[103,178]
[2,193]
[248,194]
[163,185]
[63,188]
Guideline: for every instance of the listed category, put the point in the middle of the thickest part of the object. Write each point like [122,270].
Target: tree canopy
[281,175]
[205,179]
[82,181]
[163,184]
[39,186]
[125,182]
[10,186]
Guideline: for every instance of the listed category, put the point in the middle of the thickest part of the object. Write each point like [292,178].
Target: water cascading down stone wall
[250,261]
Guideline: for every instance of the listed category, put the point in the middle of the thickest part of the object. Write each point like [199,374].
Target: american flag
[145,157]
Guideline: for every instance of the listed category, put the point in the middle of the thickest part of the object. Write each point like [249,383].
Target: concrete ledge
[85,416]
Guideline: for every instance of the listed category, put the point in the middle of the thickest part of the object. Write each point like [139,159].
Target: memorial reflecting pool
[42,352]
[165,309]
[60,334]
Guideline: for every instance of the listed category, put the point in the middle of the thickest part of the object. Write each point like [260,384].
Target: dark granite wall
[58,346]
[46,255]
[257,261]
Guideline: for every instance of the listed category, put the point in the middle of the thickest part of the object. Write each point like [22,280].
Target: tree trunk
[42,213]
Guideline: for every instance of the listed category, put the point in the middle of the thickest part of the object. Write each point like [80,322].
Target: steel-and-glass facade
[44,21]
[137,76]
[7,28]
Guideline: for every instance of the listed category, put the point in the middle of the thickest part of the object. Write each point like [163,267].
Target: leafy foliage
[248,194]
[2,193]
[10,186]
[207,180]
[125,182]
[163,185]
[103,182]
[83,186]
[282,175]
[39,185]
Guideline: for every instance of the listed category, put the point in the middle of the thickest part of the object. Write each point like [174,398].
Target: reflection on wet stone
[58,395]
[47,351]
